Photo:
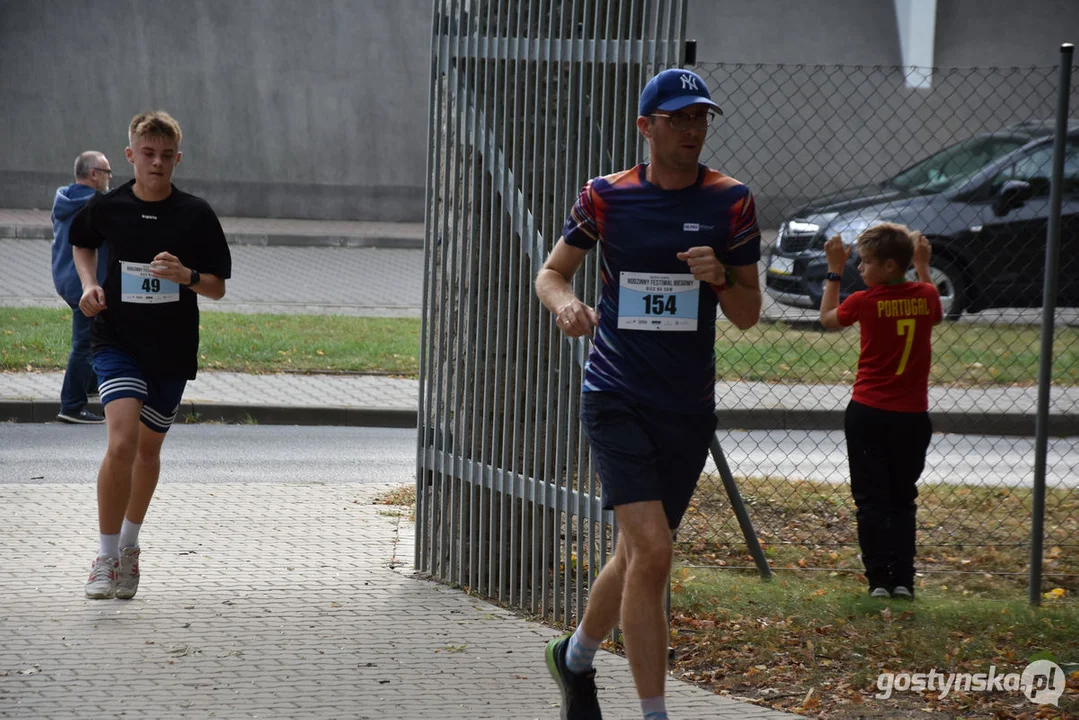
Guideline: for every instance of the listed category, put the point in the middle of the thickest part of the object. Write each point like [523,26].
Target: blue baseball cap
[675,89]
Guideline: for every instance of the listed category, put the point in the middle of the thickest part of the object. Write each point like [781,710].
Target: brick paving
[269,601]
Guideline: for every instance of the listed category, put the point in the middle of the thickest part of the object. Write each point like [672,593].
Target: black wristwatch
[834,277]
[195,277]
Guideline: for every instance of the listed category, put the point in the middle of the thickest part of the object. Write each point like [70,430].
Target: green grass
[735,633]
[38,338]
[965,532]
[964,355]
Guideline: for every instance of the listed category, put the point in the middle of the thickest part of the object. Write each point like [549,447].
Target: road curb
[402,241]
[1005,424]
[953,423]
[41,411]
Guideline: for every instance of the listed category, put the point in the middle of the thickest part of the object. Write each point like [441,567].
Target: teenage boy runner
[165,247]
[887,421]
[677,239]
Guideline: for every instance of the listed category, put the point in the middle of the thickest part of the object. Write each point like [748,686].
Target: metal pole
[1045,371]
[739,508]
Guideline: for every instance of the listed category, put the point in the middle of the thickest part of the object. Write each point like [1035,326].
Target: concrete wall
[796,133]
[970,33]
[318,109]
[314,109]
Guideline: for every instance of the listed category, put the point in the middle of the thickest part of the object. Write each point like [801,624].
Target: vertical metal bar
[489,207]
[498,221]
[458,272]
[1049,300]
[430,220]
[460,147]
[467,311]
[499,241]
[434,387]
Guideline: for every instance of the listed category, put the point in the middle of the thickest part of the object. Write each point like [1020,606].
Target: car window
[1036,168]
[954,164]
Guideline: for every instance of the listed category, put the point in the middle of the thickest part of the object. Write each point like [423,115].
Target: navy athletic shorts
[120,376]
[643,453]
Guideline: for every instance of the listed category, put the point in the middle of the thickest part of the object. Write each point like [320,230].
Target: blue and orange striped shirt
[641,228]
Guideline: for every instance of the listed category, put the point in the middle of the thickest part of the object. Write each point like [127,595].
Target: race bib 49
[138,285]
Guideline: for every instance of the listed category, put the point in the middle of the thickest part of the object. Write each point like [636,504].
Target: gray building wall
[318,109]
[314,109]
[815,103]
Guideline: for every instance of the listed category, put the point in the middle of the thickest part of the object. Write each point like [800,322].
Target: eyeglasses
[684,121]
[104,170]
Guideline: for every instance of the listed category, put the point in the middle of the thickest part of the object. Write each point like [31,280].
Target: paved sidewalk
[369,400]
[366,282]
[270,601]
[36,225]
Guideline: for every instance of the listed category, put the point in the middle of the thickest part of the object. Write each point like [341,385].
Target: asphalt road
[54,453]
[205,453]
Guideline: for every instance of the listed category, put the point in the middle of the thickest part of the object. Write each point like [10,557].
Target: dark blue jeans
[79,377]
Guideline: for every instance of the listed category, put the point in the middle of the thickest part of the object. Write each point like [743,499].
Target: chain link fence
[831,150]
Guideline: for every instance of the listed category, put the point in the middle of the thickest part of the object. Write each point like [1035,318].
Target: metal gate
[528,100]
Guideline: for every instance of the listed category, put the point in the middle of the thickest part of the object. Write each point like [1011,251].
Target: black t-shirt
[155,321]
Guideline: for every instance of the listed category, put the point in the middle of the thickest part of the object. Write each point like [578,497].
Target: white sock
[581,651]
[109,546]
[654,708]
[129,534]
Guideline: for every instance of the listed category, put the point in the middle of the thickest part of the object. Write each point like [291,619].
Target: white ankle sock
[109,546]
[129,534]
[654,708]
[580,652]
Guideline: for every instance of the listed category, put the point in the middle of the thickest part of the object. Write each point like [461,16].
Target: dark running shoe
[579,701]
[82,417]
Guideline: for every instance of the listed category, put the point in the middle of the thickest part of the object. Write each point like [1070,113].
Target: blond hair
[888,241]
[154,123]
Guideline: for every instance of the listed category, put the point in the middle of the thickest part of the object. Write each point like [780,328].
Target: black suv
[983,203]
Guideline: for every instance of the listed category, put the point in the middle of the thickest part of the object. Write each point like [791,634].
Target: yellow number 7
[905,327]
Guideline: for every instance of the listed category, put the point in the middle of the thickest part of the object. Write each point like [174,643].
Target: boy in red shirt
[887,421]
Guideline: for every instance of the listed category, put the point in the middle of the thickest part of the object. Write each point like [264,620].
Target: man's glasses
[684,121]
[104,170]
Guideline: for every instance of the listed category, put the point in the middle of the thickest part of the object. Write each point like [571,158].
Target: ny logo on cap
[689,82]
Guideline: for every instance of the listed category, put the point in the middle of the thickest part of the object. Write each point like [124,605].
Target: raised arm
[837,254]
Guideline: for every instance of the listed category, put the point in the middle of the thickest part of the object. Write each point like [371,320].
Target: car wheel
[950,285]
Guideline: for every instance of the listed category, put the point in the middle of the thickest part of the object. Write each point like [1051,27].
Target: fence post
[1045,370]
[739,508]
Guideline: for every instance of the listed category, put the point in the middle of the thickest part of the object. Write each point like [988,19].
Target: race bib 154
[657,301]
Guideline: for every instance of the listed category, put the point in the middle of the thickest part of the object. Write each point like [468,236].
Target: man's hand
[836,253]
[704,264]
[576,319]
[168,267]
[92,301]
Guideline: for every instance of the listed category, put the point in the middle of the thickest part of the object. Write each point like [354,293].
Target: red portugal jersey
[897,325]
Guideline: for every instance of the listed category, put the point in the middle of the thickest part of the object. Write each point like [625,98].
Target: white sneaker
[102,582]
[128,583]
[877,592]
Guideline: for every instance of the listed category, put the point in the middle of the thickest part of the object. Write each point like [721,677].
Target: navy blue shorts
[120,376]
[643,453]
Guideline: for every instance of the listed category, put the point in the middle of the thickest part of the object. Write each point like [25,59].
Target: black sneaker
[579,701]
[82,417]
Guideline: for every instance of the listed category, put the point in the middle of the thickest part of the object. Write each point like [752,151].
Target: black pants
[886,451]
